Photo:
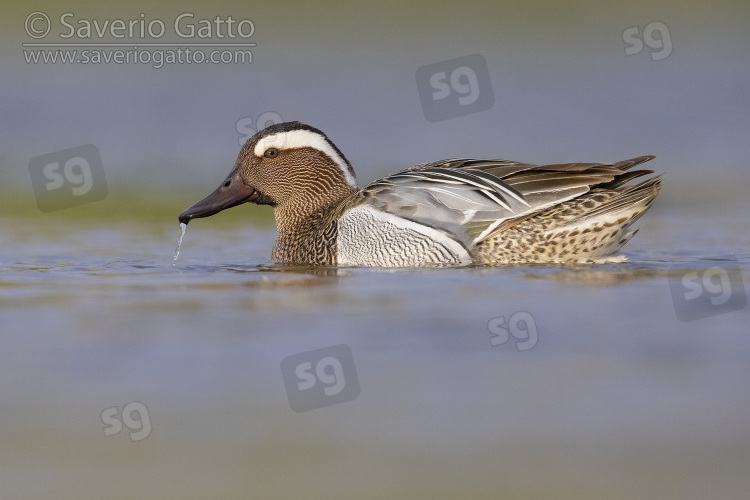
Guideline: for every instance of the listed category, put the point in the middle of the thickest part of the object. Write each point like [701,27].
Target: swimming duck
[449,212]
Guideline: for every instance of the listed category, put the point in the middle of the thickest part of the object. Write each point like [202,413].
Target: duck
[453,212]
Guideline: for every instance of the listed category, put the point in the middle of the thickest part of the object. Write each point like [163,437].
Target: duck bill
[232,192]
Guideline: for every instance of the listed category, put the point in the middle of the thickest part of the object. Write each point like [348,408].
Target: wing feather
[470,198]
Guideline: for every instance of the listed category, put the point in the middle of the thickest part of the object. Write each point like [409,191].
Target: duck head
[291,166]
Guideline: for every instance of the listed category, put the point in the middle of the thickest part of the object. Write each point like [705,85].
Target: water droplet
[183,227]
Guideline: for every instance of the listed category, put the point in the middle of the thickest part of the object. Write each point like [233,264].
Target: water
[617,398]
[183,228]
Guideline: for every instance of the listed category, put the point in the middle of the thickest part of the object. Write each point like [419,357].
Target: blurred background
[620,399]
[564,88]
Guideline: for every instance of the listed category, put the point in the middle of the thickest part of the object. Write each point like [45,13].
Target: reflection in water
[324,271]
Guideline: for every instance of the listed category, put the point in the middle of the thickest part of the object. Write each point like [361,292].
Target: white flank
[452,245]
[302,139]
[373,222]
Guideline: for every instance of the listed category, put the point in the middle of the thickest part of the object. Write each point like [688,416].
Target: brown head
[292,166]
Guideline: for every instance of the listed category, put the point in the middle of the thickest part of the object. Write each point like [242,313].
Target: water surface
[618,398]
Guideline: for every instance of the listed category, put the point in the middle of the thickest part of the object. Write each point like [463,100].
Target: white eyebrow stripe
[301,139]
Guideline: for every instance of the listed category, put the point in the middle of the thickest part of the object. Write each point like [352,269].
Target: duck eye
[271,153]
